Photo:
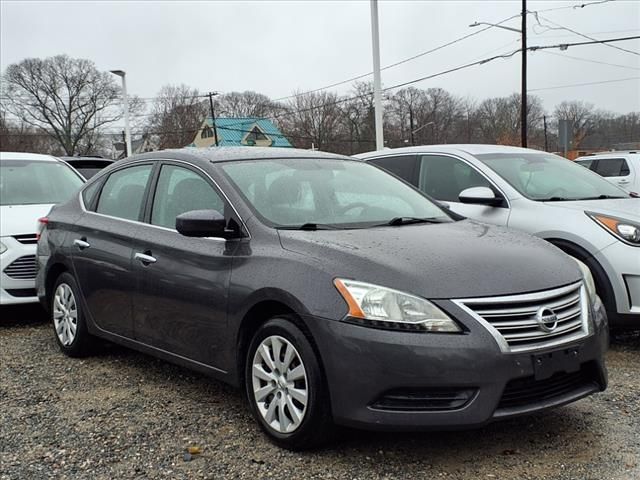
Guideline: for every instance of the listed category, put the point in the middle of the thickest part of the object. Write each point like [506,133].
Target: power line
[574,7]
[408,59]
[561,27]
[562,55]
[584,84]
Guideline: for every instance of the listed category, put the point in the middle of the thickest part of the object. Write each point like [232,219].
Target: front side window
[590,164]
[444,177]
[181,190]
[338,193]
[547,177]
[612,167]
[33,182]
[123,193]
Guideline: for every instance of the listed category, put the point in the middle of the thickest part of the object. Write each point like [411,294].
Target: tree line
[62,105]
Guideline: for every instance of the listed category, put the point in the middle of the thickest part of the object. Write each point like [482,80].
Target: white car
[620,168]
[543,194]
[30,184]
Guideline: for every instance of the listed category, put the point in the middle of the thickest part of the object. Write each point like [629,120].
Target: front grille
[27,239]
[527,391]
[520,322]
[424,400]
[24,268]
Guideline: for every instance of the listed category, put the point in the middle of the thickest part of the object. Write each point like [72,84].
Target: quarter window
[612,167]
[444,177]
[123,192]
[181,190]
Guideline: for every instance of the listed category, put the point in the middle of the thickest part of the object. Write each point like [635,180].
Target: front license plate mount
[546,364]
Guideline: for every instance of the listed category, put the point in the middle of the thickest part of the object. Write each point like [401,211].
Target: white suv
[542,194]
[620,168]
[29,186]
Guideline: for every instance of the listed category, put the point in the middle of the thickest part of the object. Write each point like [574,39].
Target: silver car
[542,194]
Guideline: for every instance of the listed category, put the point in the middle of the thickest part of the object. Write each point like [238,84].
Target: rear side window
[404,166]
[444,177]
[182,190]
[123,192]
[612,167]
[89,195]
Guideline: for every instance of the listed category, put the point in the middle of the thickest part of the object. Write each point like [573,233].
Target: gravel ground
[125,415]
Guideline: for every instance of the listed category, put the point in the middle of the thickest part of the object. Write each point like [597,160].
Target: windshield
[542,176]
[331,193]
[32,182]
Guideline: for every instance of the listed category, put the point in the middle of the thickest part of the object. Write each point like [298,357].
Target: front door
[443,177]
[102,245]
[182,302]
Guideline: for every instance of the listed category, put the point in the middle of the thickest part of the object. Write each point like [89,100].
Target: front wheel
[69,323]
[285,386]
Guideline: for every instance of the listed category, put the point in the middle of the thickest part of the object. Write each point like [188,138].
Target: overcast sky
[276,47]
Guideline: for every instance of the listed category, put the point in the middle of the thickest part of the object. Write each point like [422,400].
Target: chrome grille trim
[511,319]
[23,268]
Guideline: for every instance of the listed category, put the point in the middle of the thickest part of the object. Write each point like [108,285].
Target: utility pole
[546,145]
[213,116]
[124,145]
[523,103]
[377,82]
[413,141]
[125,107]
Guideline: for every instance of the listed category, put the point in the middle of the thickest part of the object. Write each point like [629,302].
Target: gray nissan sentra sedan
[329,290]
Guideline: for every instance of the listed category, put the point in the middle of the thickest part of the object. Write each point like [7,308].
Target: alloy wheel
[65,314]
[280,386]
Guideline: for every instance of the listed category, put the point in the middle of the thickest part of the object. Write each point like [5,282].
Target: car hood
[450,260]
[21,219]
[618,207]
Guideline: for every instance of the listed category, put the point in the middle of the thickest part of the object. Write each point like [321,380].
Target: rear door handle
[144,258]
[81,243]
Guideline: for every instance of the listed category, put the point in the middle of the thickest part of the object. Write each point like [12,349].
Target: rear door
[182,302]
[102,243]
[443,177]
[616,170]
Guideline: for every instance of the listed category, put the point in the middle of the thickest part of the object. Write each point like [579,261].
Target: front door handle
[623,182]
[81,243]
[144,258]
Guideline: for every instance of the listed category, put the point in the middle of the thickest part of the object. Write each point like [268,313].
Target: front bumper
[365,365]
[622,265]
[15,290]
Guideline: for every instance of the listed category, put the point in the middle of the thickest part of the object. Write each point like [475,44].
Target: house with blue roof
[239,132]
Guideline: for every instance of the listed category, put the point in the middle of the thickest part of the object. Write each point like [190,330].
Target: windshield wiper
[396,221]
[555,199]
[309,226]
[600,197]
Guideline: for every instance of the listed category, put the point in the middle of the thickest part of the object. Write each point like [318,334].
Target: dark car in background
[88,166]
[330,291]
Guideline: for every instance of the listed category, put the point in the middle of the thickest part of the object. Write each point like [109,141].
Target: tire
[69,323]
[276,394]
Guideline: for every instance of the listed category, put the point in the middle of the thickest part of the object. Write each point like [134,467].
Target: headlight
[380,307]
[625,230]
[588,279]
[3,248]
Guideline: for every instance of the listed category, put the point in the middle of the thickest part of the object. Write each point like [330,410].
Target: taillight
[42,224]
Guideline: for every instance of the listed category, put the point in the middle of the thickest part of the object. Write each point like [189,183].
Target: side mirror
[202,223]
[479,196]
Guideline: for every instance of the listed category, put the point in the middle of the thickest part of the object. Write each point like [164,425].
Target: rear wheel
[285,386]
[69,323]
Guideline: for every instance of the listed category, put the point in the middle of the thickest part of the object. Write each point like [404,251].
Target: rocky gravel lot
[124,415]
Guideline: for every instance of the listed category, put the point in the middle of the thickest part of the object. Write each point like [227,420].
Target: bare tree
[246,104]
[580,114]
[66,98]
[177,114]
[16,136]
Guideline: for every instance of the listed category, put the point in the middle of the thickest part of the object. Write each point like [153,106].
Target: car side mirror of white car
[479,196]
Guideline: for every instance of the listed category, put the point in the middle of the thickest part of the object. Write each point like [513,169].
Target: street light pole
[377,82]
[523,102]
[125,106]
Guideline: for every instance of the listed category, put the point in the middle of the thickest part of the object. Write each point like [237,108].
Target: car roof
[225,154]
[27,156]
[622,153]
[472,149]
